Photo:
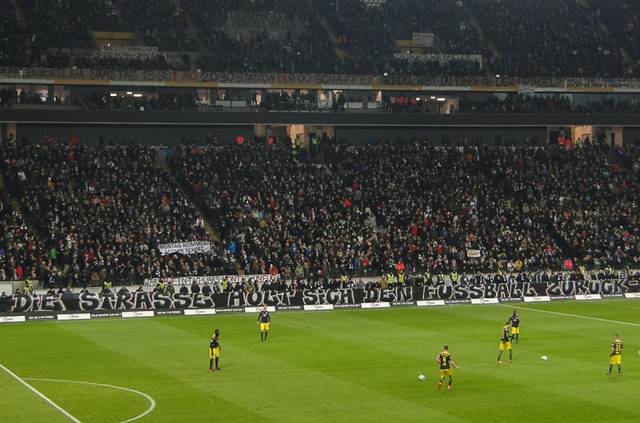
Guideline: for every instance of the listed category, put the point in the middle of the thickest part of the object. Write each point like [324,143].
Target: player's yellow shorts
[515,331]
[505,345]
[616,360]
[214,352]
[264,327]
[445,372]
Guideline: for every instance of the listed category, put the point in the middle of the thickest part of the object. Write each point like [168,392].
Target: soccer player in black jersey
[264,321]
[214,350]
[505,343]
[515,326]
[445,361]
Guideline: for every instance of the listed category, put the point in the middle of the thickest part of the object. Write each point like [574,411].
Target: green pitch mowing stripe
[339,366]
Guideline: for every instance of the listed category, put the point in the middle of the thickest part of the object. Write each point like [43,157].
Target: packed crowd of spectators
[101,213]
[540,37]
[368,34]
[527,38]
[622,17]
[87,214]
[27,37]
[302,47]
[369,208]
[19,247]
[593,206]
[160,23]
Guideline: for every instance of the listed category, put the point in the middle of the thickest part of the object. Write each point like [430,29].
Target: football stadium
[319,211]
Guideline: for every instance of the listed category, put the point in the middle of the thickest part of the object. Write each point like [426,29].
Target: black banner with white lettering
[238,301]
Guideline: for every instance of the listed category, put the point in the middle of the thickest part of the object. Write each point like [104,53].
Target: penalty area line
[577,316]
[40,394]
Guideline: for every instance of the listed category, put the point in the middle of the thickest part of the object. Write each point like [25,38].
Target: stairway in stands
[17,11]
[160,162]
[192,27]
[494,51]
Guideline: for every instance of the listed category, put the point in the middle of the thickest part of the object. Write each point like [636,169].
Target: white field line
[577,316]
[41,395]
[152,402]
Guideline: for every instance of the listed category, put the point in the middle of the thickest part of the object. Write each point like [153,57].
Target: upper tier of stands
[515,38]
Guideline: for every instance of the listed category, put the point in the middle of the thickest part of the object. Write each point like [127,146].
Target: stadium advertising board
[147,304]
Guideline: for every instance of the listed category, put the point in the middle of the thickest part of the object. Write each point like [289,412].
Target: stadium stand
[79,212]
[101,214]
[529,38]
[95,213]
[370,207]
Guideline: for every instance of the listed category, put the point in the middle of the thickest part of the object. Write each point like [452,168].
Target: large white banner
[210,280]
[189,247]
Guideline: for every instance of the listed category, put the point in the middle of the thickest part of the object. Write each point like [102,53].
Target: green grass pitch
[339,366]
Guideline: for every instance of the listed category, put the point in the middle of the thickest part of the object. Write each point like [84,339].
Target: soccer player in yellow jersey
[615,358]
[214,350]
[445,361]
[264,321]
[505,344]
[515,326]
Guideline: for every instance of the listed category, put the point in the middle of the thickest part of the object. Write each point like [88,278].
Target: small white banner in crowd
[210,280]
[430,303]
[632,295]
[189,247]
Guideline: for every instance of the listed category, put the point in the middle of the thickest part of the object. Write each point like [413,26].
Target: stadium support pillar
[7,129]
[614,136]
[51,94]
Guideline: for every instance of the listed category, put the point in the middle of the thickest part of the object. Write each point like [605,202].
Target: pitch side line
[577,316]
[152,402]
[41,395]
